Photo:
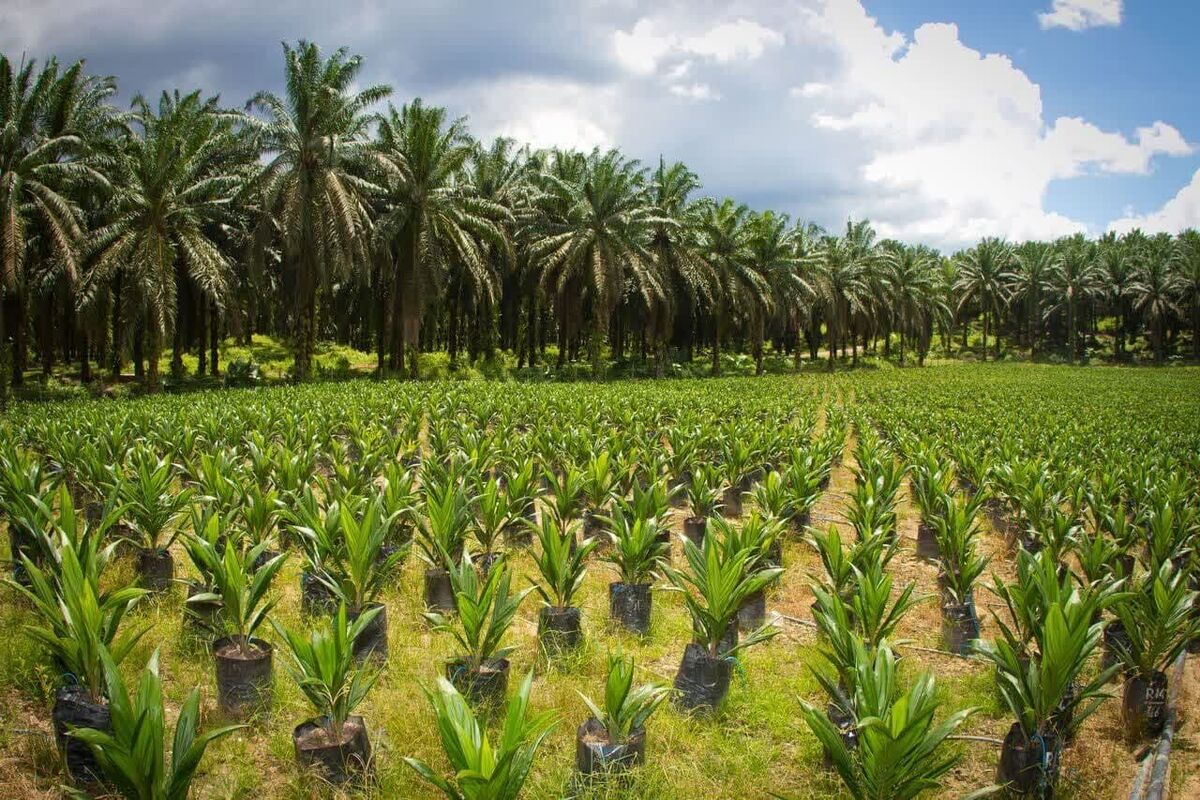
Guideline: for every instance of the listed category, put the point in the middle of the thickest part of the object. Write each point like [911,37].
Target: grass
[757,744]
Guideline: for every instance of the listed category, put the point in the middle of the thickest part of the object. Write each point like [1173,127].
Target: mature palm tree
[498,174]
[600,239]
[1155,289]
[1026,283]
[909,280]
[871,307]
[724,244]
[1187,279]
[175,179]
[432,223]
[772,254]
[840,285]
[945,288]
[314,192]
[982,271]
[798,299]
[1073,281]
[1113,278]
[46,161]
[683,272]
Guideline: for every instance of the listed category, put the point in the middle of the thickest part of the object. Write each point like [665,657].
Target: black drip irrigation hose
[1154,776]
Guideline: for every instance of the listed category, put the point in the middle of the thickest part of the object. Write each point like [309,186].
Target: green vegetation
[326,231]
[1062,499]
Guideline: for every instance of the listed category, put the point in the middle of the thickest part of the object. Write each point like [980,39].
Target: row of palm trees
[312,215]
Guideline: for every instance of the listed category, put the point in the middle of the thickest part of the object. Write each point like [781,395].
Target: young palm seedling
[483,771]
[703,498]
[956,529]
[523,490]
[486,608]
[492,515]
[803,477]
[76,622]
[562,567]
[600,486]
[714,586]
[1158,618]
[1039,686]
[131,752]
[737,471]
[363,572]
[153,504]
[613,739]
[637,551]
[318,530]
[898,750]
[441,533]
[759,536]
[931,479]
[335,742]
[243,661]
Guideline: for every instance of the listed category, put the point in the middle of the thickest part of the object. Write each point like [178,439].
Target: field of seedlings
[877,584]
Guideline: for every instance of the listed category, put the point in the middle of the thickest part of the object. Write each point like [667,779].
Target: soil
[318,737]
[232,652]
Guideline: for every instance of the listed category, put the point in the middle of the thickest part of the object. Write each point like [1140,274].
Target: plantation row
[763,510]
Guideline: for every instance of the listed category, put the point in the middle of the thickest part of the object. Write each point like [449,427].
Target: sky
[941,121]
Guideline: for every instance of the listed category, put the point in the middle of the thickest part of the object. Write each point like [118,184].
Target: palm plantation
[318,215]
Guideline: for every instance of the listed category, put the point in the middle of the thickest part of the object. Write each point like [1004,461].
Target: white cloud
[694,91]
[1079,14]
[643,48]
[1179,213]
[731,41]
[959,135]
[541,112]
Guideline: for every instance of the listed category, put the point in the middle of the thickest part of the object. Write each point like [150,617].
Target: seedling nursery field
[878,584]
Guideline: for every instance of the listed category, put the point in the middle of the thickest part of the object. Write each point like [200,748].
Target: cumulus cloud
[1079,14]
[1179,213]
[959,133]
[650,42]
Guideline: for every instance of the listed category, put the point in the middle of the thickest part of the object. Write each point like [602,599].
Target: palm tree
[871,307]
[909,280]
[772,254]
[176,180]
[1026,283]
[47,121]
[683,272]
[1073,280]
[982,271]
[1154,289]
[498,174]
[432,224]
[1187,279]
[839,283]
[600,238]
[724,244]
[314,195]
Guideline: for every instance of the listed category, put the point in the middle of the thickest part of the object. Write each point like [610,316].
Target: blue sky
[940,120]
[1119,77]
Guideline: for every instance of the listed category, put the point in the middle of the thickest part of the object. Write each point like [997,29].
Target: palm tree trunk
[1196,329]
[19,337]
[115,361]
[716,349]
[85,358]
[594,346]
[201,311]
[985,333]
[214,340]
